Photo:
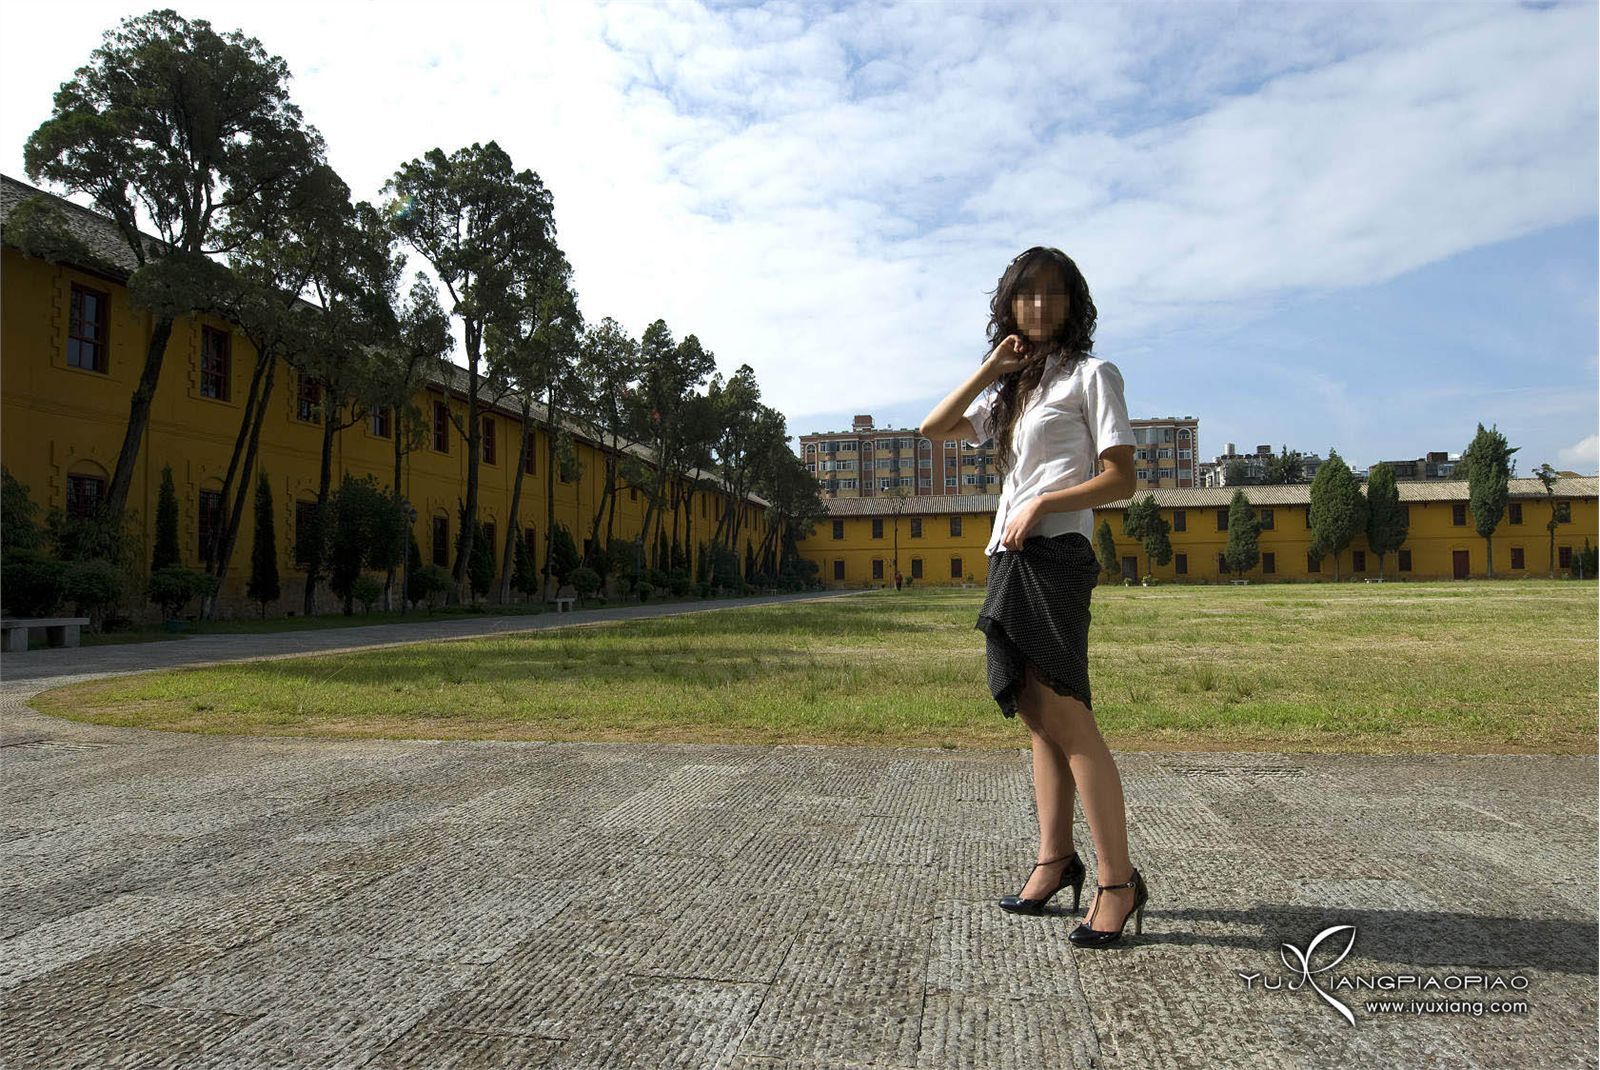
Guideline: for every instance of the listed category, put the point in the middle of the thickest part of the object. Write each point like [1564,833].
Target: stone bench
[59,631]
[562,604]
[1238,583]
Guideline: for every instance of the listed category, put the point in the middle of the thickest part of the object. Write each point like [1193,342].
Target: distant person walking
[1056,411]
[897,581]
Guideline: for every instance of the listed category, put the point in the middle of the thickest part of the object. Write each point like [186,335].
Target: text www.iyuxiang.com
[1476,1008]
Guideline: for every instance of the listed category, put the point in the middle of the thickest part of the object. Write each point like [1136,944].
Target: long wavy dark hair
[1073,341]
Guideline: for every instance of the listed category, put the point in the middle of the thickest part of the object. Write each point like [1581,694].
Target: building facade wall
[1433,541]
[59,420]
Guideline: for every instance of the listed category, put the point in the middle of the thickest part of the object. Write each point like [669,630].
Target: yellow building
[72,349]
[936,540]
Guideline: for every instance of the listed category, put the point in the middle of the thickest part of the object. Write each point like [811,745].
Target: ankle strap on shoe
[1131,882]
[1053,861]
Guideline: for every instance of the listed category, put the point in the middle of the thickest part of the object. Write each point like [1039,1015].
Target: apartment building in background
[867,461]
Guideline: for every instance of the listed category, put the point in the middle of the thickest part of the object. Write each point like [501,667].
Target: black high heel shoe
[1083,936]
[1073,872]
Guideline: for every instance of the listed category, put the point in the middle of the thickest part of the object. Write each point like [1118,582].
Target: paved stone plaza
[187,901]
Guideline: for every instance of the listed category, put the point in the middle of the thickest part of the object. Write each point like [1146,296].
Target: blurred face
[1041,302]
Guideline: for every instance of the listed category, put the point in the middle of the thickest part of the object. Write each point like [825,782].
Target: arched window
[86,487]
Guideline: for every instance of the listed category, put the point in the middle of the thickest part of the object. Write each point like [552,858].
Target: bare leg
[1070,724]
[1053,792]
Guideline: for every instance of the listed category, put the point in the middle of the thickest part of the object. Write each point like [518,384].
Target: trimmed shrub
[172,588]
[584,580]
[33,584]
[95,587]
[367,590]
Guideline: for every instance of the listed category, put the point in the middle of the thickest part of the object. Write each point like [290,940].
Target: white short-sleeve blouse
[1070,421]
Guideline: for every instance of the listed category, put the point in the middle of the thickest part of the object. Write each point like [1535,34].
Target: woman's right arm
[948,417]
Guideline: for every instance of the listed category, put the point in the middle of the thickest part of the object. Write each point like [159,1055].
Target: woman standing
[1057,409]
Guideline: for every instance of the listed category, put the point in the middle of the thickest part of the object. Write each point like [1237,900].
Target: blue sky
[1365,226]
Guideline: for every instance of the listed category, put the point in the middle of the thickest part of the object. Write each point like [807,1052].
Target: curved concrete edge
[22,676]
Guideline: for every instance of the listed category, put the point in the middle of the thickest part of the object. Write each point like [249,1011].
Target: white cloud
[1582,457]
[829,196]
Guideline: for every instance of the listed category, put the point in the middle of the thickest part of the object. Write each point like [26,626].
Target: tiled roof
[107,245]
[1436,490]
[918,505]
[105,242]
[1421,490]
[582,432]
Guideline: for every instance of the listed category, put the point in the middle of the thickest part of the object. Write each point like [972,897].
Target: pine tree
[1488,484]
[1143,521]
[262,587]
[1158,544]
[1338,509]
[413,593]
[480,565]
[1243,551]
[1134,518]
[166,551]
[563,554]
[1386,517]
[1106,544]
[524,573]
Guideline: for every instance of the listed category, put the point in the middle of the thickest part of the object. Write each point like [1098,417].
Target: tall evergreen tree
[1486,460]
[482,225]
[1136,519]
[186,124]
[480,570]
[1106,547]
[1338,509]
[1243,551]
[1143,521]
[166,550]
[1386,517]
[413,570]
[525,576]
[563,555]
[262,586]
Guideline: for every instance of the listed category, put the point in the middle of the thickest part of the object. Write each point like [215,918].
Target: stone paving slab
[199,901]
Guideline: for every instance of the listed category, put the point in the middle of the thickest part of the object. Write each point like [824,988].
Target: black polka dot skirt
[1036,609]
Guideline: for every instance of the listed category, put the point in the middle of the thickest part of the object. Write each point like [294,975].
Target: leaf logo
[1303,965]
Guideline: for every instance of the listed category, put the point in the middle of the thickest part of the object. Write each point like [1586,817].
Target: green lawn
[1504,667]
